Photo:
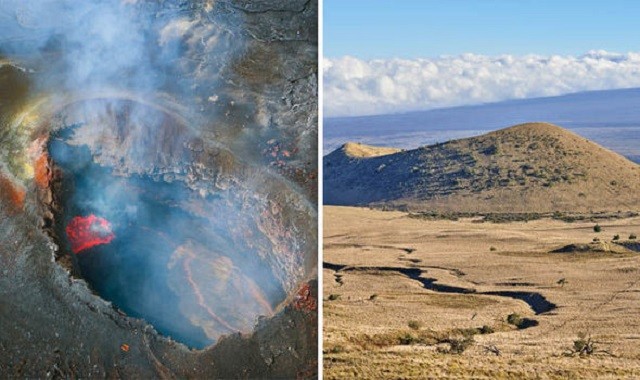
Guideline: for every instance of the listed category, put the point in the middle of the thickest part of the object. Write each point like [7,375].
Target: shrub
[514,319]
[583,345]
[373,297]
[407,339]
[333,297]
[616,237]
[597,228]
[632,237]
[336,349]
[491,150]
[459,345]
[415,325]
[471,331]
[486,330]
[492,249]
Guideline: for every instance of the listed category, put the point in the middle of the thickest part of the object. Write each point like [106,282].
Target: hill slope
[533,167]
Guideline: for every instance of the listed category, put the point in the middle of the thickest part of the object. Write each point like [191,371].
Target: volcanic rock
[53,324]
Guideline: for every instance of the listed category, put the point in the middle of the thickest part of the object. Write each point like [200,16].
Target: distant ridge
[531,167]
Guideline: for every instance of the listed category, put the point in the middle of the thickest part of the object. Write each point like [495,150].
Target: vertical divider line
[320,183]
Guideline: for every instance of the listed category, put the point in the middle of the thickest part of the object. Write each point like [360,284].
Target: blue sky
[428,28]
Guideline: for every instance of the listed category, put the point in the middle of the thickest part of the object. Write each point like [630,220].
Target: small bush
[595,240]
[486,330]
[491,150]
[407,339]
[467,332]
[514,319]
[373,297]
[632,237]
[583,345]
[616,237]
[597,228]
[336,349]
[334,297]
[459,345]
[493,249]
[415,325]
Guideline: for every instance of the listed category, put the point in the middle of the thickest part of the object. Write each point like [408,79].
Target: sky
[407,55]
[428,28]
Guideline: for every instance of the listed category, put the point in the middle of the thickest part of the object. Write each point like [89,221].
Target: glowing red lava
[86,232]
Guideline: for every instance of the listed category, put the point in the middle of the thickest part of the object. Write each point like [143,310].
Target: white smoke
[138,45]
[357,87]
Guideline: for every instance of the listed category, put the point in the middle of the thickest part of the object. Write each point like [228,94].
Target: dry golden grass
[366,326]
[361,150]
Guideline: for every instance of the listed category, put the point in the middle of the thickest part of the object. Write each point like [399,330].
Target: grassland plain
[414,297]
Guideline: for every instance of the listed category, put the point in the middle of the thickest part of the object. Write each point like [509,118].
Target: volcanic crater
[190,173]
[178,232]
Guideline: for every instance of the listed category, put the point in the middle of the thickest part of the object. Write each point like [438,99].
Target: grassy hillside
[533,167]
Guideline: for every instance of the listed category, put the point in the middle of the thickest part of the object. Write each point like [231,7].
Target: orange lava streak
[14,194]
[199,295]
[37,152]
[42,173]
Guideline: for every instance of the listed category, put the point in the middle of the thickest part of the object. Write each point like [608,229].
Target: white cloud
[357,87]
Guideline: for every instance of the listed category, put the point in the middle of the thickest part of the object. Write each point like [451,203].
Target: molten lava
[85,232]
